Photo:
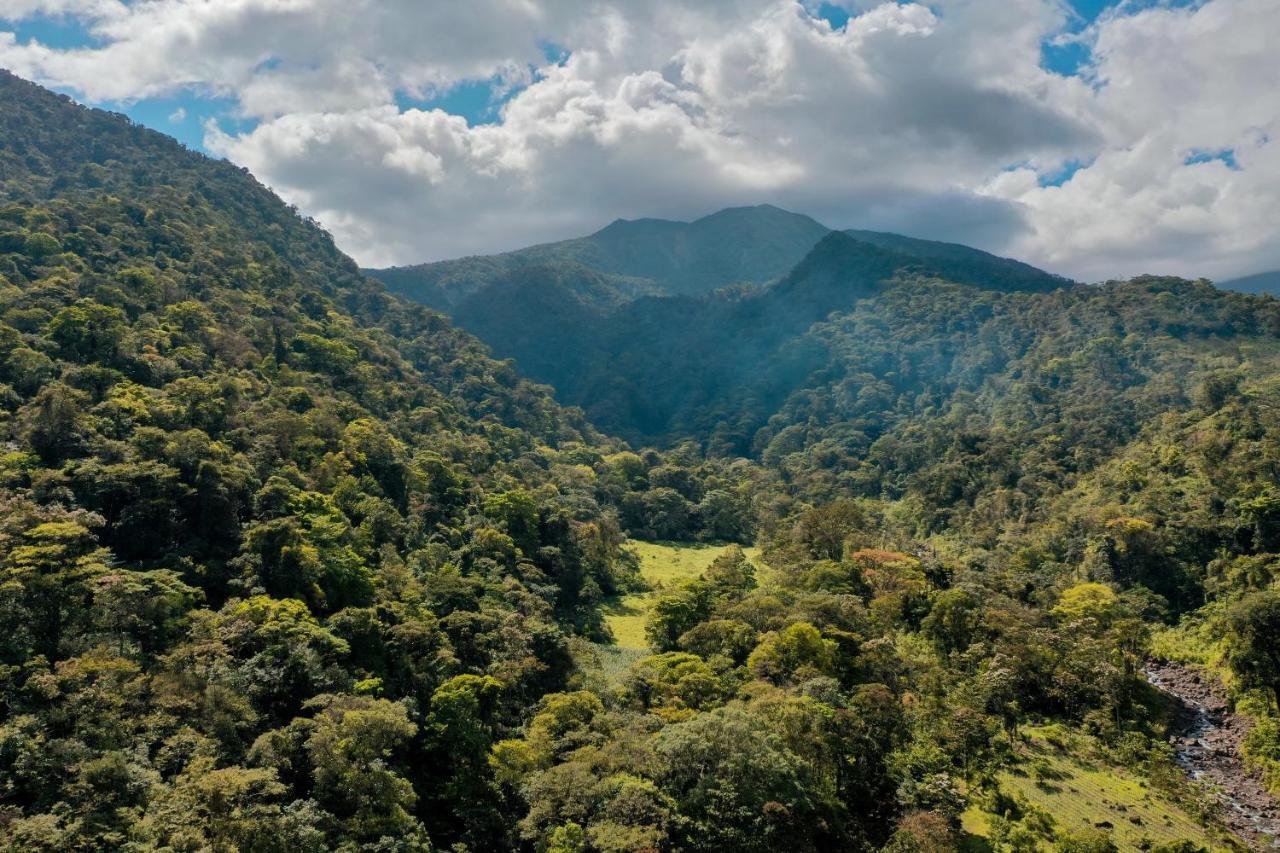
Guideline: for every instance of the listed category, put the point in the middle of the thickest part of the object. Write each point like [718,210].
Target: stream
[1206,742]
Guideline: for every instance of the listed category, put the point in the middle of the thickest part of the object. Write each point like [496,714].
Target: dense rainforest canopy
[288,562]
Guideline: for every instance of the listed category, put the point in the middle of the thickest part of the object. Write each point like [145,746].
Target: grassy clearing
[1082,795]
[662,564]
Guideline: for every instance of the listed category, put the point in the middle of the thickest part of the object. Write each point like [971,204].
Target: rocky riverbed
[1206,743]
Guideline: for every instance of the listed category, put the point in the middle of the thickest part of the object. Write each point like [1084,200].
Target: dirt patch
[1206,741]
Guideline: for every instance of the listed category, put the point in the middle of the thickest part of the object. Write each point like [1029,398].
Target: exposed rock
[1206,741]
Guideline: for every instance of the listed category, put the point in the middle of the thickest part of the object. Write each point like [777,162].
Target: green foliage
[281,557]
[796,653]
[289,564]
[739,786]
[351,744]
[1253,625]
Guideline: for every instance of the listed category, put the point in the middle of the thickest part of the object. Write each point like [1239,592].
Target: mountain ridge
[750,246]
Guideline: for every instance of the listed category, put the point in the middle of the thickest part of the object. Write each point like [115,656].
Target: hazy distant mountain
[667,350]
[1263,282]
[635,257]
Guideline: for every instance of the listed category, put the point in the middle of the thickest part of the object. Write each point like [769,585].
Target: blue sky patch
[1226,155]
[556,54]
[61,32]
[1065,58]
[833,15]
[477,101]
[183,116]
[1066,55]
[1063,173]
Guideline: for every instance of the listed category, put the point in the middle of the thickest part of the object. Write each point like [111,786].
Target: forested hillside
[1022,448]
[288,563]
[274,544]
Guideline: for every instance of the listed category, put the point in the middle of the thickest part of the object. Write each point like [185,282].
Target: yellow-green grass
[755,556]
[662,564]
[1081,796]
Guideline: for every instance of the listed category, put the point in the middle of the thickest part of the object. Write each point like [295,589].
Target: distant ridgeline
[1263,282]
[759,332]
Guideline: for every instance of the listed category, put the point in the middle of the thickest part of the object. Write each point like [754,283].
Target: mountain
[738,245]
[616,356]
[1070,469]
[632,258]
[1263,282]
[609,320]
[656,257]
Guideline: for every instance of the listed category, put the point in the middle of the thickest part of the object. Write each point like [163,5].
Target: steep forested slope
[663,368]
[887,367]
[278,552]
[949,394]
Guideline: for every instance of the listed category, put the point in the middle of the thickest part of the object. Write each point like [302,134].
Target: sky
[1095,138]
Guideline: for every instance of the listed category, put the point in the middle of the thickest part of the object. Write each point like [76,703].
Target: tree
[676,612]
[923,832]
[48,575]
[825,529]
[736,786]
[794,653]
[54,424]
[1252,651]
[1091,601]
[460,729]
[281,654]
[954,620]
[231,808]
[730,638]
[731,573]
[517,512]
[148,608]
[355,746]
[40,245]
[673,683]
[88,331]
[309,555]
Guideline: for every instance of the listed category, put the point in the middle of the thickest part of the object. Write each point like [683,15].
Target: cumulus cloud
[931,119]
[680,115]
[1189,103]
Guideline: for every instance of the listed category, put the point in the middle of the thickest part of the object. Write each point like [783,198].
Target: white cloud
[178,116]
[648,117]
[1173,82]
[908,118]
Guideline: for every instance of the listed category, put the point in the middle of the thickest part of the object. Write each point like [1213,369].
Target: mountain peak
[740,245]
